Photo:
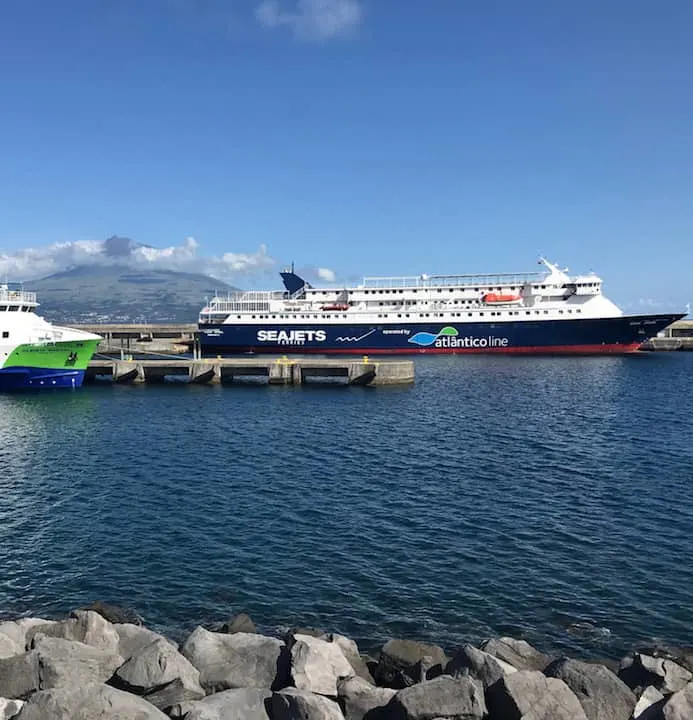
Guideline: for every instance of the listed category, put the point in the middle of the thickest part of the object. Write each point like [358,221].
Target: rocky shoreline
[102,663]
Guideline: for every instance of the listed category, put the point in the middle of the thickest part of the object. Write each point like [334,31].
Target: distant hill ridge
[120,293]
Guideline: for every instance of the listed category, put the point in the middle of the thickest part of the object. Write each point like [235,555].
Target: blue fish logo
[425,338]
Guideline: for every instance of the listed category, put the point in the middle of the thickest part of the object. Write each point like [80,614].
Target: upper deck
[13,296]
[448,281]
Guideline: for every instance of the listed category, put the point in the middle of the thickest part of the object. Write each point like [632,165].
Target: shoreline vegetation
[102,662]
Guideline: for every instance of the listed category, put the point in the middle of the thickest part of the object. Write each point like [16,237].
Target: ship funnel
[292,282]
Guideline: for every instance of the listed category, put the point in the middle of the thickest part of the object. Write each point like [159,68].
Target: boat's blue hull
[590,336]
[33,378]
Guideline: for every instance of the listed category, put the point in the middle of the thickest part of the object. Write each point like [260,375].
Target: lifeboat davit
[500,298]
[327,308]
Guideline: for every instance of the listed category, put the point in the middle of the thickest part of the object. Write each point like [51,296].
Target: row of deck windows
[15,308]
[440,290]
[399,315]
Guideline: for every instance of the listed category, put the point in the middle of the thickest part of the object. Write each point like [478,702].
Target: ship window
[560,312]
[3,308]
[481,314]
[14,308]
[407,315]
[546,312]
[5,334]
[469,314]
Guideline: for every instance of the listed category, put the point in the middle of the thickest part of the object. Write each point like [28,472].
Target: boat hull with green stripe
[53,365]
[34,354]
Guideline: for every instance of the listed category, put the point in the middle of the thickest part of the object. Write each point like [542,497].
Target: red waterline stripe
[595,349]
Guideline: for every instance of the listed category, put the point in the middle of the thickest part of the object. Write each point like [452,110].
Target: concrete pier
[271,371]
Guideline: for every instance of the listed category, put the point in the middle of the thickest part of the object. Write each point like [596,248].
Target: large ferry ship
[35,354]
[543,312]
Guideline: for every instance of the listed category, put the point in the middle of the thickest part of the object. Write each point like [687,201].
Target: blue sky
[361,136]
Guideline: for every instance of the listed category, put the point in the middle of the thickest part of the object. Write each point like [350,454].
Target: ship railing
[18,296]
[245,301]
[436,281]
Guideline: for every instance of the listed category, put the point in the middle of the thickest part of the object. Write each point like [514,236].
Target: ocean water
[546,498]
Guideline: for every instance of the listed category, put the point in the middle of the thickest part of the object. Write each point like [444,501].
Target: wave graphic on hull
[425,338]
[355,339]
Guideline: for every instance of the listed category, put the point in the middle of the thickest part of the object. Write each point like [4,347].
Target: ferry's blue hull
[33,378]
[588,336]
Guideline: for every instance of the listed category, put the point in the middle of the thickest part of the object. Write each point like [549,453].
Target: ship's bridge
[13,298]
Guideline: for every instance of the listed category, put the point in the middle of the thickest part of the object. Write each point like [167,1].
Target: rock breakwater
[102,662]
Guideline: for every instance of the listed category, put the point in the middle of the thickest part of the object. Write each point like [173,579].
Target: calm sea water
[549,498]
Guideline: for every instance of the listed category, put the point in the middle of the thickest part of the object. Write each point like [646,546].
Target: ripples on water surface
[515,496]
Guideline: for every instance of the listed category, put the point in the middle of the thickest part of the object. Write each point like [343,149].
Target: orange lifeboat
[500,298]
[327,308]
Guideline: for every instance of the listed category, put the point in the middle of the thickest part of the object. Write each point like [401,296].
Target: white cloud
[326,274]
[311,19]
[37,262]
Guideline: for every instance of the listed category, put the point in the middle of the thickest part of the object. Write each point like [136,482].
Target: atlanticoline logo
[448,337]
[424,339]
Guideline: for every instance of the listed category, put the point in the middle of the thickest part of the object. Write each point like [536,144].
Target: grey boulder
[19,676]
[602,695]
[352,654]
[162,674]
[405,662]
[8,647]
[518,653]
[237,661]
[528,694]
[85,626]
[67,662]
[649,697]
[114,613]
[445,697]
[479,665]
[317,665]
[358,697]
[293,704]
[639,671]
[681,655]
[239,704]
[680,705]
[133,638]
[88,702]
[9,708]
[13,635]
[239,623]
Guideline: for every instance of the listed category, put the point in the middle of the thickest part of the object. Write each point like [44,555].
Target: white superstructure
[548,295]
[20,325]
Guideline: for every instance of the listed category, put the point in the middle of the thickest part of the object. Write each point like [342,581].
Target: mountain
[118,293]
